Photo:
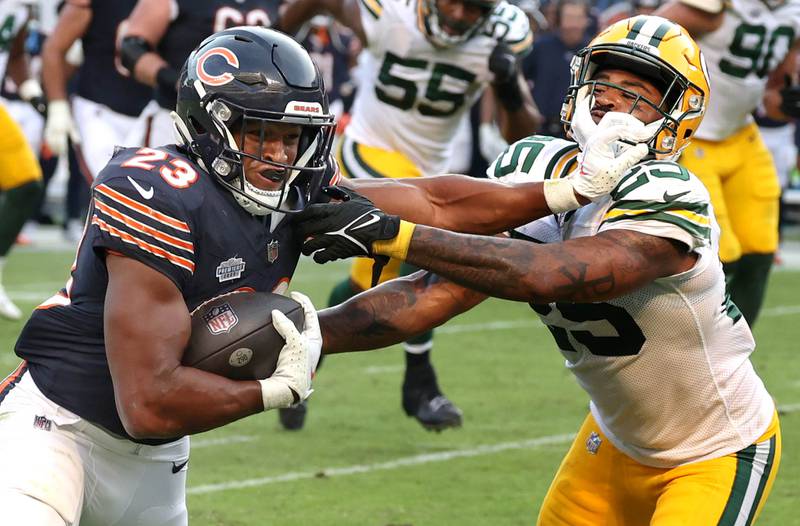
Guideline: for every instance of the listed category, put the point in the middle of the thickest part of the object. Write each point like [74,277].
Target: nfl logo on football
[220,319]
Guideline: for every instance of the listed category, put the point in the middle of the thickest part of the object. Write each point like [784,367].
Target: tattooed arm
[593,268]
[393,312]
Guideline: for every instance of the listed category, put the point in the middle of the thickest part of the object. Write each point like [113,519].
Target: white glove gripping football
[601,163]
[297,359]
[59,125]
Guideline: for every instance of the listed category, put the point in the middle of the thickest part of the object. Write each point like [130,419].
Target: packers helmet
[431,22]
[658,50]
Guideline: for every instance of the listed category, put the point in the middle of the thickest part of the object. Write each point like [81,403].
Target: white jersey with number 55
[752,40]
[666,366]
[412,95]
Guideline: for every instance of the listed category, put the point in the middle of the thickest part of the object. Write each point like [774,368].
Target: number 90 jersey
[411,94]
[667,366]
[752,40]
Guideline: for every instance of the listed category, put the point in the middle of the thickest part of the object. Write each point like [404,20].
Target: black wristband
[167,79]
[509,94]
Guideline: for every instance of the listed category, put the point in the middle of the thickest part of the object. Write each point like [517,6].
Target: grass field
[361,461]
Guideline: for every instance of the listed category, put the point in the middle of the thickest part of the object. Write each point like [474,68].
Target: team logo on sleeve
[220,319]
[212,72]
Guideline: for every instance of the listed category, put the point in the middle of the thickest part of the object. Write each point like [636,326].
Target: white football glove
[602,162]
[298,358]
[59,125]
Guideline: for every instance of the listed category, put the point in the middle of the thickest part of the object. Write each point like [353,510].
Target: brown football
[233,336]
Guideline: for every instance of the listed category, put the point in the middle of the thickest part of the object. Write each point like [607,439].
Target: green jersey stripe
[697,208]
[370,9]
[548,172]
[695,230]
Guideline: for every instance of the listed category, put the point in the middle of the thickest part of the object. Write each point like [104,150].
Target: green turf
[360,460]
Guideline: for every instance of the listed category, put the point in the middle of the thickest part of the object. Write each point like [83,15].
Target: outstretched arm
[458,202]
[569,271]
[393,312]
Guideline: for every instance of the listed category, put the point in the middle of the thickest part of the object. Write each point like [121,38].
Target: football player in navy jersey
[159,37]
[106,104]
[168,229]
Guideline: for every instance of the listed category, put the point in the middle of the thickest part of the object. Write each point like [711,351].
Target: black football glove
[503,63]
[790,101]
[343,229]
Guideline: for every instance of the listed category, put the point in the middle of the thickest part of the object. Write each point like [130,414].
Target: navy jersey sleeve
[134,213]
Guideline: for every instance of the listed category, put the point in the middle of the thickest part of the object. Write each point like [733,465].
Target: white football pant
[57,469]
[101,129]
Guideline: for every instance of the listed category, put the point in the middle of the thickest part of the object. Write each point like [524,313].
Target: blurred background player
[106,104]
[423,66]
[159,37]
[546,68]
[20,174]
[624,9]
[746,44]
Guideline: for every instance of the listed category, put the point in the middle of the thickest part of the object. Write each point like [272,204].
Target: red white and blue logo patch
[220,319]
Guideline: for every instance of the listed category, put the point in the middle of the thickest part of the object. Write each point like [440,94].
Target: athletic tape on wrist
[275,394]
[397,247]
[560,196]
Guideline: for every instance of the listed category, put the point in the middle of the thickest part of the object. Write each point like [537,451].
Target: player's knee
[19,508]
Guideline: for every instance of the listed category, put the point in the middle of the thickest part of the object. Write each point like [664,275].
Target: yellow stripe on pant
[598,484]
[358,161]
[18,164]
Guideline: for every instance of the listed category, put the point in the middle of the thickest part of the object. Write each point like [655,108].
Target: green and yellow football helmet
[431,22]
[658,50]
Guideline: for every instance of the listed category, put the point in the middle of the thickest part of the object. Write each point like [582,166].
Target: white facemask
[583,126]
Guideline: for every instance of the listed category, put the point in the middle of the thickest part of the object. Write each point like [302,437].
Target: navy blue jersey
[158,207]
[197,19]
[98,78]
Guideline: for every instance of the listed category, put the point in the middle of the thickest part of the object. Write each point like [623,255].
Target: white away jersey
[411,94]
[13,15]
[667,366]
[752,40]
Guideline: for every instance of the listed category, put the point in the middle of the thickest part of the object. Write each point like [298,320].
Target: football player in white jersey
[746,43]
[681,429]
[424,64]
[20,174]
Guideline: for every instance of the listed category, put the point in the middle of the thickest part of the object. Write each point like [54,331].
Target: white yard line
[384,466]
[402,462]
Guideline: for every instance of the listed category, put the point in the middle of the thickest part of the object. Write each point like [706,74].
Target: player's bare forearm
[593,268]
[73,21]
[147,67]
[147,327]
[697,22]
[457,202]
[525,121]
[393,312]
